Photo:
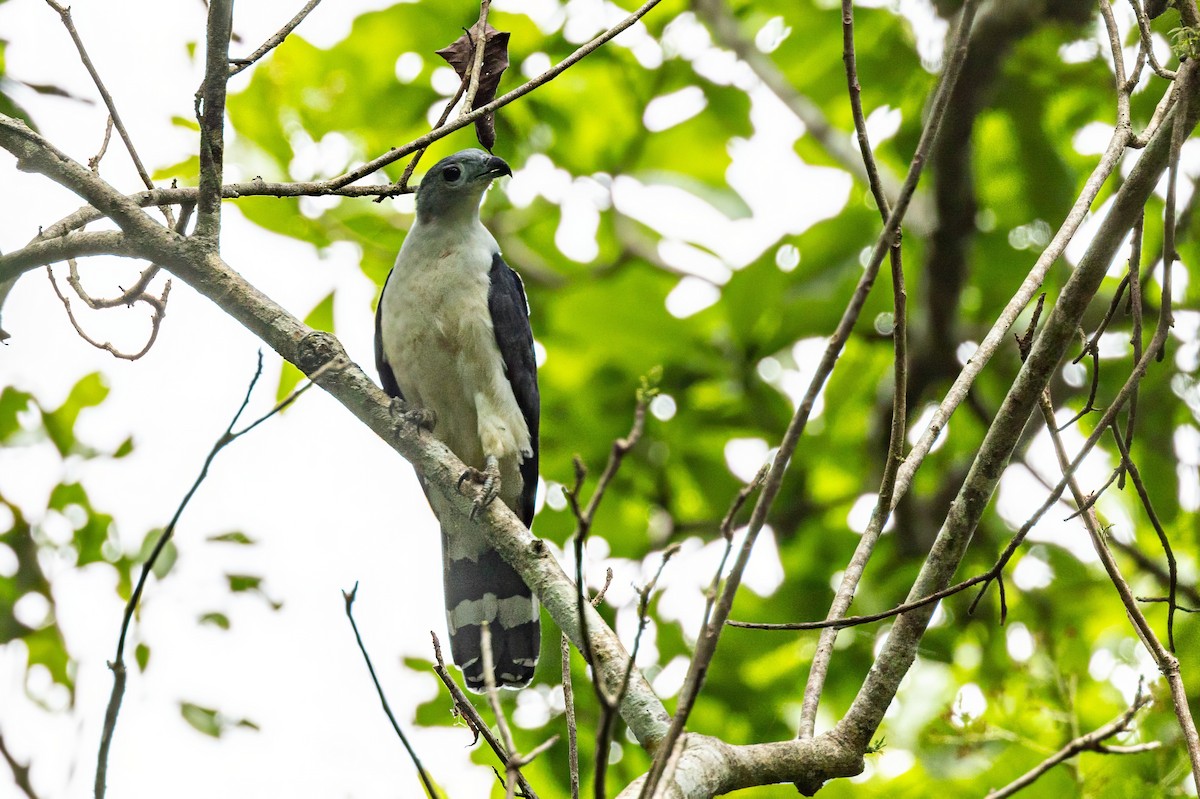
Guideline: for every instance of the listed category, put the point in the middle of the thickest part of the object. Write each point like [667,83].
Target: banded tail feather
[482,589]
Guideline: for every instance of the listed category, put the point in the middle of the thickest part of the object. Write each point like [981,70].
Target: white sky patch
[533,708]
[894,762]
[691,296]
[627,627]
[663,407]
[535,64]
[32,610]
[1101,664]
[685,37]
[806,353]
[969,704]
[1092,138]
[669,110]
[745,456]
[694,260]
[772,34]
[918,428]
[692,569]
[445,81]
[1019,642]
[930,29]
[1021,493]
[860,514]
[1075,374]
[787,257]
[409,66]
[576,233]
[883,123]
[670,680]
[1032,573]
[548,15]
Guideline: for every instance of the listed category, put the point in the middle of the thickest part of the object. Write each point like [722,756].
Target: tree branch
[211,115]
[895,452]
[239,64]
[710,635]
[897,654]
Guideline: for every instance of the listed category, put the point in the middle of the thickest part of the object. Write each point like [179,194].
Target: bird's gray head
[455,185]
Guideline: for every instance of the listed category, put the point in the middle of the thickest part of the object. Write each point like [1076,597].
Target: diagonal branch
[238,64]
[205,271]
[710,635]
[897,654]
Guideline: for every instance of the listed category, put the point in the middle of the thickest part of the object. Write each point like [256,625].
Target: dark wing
[386,378]
[510,321]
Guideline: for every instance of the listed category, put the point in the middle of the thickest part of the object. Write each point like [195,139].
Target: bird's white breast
[438,338]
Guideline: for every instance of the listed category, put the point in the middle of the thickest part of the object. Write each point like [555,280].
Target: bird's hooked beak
[496,167]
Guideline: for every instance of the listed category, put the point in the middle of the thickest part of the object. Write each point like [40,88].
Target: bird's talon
[404,413]
[488,479]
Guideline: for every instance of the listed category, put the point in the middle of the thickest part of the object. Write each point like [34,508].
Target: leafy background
[666,213]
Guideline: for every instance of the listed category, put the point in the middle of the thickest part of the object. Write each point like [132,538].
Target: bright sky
[328,503]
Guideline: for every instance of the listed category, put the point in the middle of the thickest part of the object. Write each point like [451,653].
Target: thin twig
[569,706]
[1167,663]
[237,65]
[608,712]
[64,13]
[117,665]
[819,668]
[1135,335]
[468,713]
[1172,568]
[1148,42]
[493,696]
[430,791]
[1092,742]
[710,636]
[477,57]
[584,516]
[94,161]
[158,306]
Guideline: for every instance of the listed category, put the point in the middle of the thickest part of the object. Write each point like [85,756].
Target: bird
[454,349]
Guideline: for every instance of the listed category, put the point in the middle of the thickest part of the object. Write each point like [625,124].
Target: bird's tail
[485,588]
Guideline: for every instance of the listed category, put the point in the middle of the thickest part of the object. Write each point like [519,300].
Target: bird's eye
[451,173]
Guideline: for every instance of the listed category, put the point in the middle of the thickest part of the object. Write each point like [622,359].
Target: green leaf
[216,619]
[90,391]
[234,537]
[202,719]
[13,403]
[243,582]
[141,654]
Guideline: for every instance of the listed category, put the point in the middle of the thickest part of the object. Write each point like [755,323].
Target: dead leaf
[460,54]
